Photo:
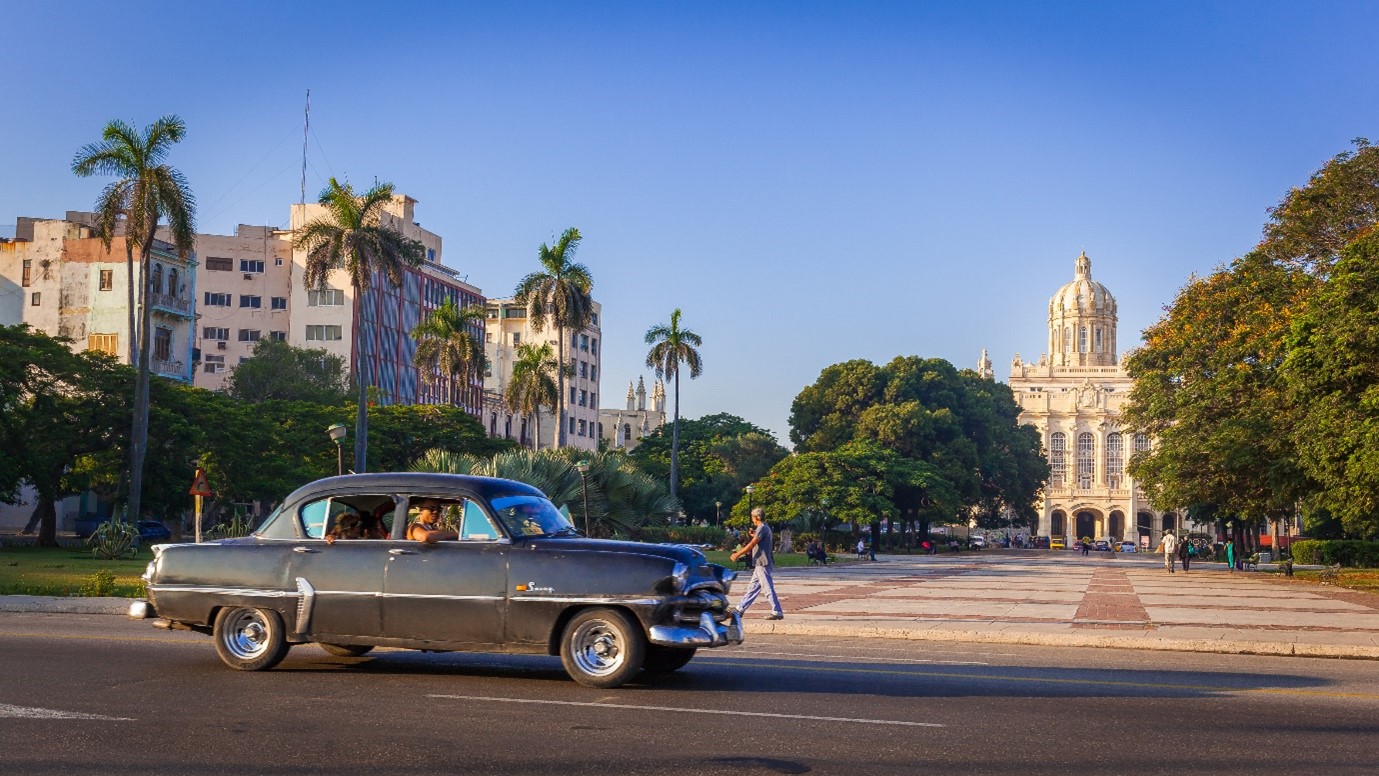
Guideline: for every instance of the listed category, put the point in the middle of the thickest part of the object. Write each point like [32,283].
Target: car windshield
[531,516]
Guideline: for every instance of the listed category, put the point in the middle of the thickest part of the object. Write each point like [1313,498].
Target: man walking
[1170,550]
[762,563]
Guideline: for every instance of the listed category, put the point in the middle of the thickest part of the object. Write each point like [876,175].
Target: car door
[450,592]
[341,584]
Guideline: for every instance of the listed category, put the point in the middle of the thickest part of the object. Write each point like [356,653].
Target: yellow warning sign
[200,486]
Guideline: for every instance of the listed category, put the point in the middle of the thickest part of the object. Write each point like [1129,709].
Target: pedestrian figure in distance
[1170,548]
[759,546]
[1185,553]
[1230,556]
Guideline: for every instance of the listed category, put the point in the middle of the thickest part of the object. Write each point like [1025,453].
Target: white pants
[761,578]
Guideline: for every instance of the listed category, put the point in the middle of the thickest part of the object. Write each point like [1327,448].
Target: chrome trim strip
[447,597]
[245,591]
[578,600]
[304,605]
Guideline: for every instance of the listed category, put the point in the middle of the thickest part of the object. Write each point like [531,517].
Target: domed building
[1073,394]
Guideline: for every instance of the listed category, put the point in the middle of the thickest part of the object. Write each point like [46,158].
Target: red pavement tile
[1110,603]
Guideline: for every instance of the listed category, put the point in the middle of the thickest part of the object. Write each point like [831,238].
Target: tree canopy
[719,455]
[278,371]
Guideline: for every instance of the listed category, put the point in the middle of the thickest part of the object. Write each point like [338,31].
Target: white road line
[756,652]
[690,711]
[30,712]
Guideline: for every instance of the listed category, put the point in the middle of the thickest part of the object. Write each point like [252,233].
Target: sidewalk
[1033,597]
[1064,599]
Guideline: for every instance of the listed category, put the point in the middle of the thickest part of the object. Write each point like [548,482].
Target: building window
[219,265]
[107,279]
[255,302]
[584,342]
[1068,339]
[1086,458]
[583,400]
[488,336]
[215,333]
[277,262]
[1082,339]
[493,424]
[594,400]
[594,318]
[572,425]
[278,336]
[323,333]
[574,340]
[104,343]
[251,265]
[431,254]
[582,428]
[1058,463]
[626,432]
[1056,524]
[27,276]
[507,427]
[162,343]
[1141,443]
[325,297]
[217,300]
[279,302]
[35,299]
[594,345]
[594,372]
[248,335]
[572,394]
[516,338]
[157,278]
[1098,339]
[1115,459]
[584,369]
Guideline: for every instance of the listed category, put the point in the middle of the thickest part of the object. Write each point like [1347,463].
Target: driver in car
[427,527]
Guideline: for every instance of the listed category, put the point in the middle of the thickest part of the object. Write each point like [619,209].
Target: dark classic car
[504,571]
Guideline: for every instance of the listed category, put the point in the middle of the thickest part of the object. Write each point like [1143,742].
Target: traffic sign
[200,486]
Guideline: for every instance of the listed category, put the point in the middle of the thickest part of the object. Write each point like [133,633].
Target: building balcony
[1065,492]
[176,370]
[173,305]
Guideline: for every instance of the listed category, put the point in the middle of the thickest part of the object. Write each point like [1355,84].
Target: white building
[623,428]
[1073,394]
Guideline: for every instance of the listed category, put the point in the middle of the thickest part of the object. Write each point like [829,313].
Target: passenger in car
[373,525]
[427,527]
[348,525]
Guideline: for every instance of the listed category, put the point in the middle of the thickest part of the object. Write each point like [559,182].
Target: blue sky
[809,182]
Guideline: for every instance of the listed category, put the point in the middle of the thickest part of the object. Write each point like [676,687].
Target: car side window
[476,526]
[314,518]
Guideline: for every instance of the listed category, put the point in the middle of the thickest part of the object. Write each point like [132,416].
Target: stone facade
[1074,394]
[622,428]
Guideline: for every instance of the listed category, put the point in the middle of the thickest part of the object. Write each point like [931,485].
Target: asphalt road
[101,694]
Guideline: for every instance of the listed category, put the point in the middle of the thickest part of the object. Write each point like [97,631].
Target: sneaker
[775,616]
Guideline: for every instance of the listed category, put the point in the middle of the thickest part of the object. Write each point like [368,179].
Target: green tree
[719,455]
[532,386]
[403,433]
[58,409]
[353,237]
[449,345]
[558,295]
[279,371]
[147,191]
[672,346]
[1339,205]
[1331,375]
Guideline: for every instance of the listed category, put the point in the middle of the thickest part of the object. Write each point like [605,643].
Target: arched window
[1170,521]
[1141,443]
[1115,459]
[507,427]
[157,278]
[172,281]
[1056,524]
[1098,339]
[627,432]
[523,438]
[1082,340]
[1058,463]
[1086,459]
[493,425]
[1068,339]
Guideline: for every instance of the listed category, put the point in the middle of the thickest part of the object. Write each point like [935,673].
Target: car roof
[431,483]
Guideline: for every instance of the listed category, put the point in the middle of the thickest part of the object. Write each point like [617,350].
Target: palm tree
[670,347]
[352,237]
[531,386]
[447,345]
[147,191]
[558,296]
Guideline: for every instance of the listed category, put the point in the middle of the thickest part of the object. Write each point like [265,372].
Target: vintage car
[505,572]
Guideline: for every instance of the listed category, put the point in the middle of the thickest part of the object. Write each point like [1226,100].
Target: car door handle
[304,549]
[401,552]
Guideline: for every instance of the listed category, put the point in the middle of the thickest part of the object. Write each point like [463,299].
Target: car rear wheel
[665,660]
[602,648]
[346,650]
[249,639]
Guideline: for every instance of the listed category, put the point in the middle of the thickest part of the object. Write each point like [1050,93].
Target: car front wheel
[665,660]
[346,650]
[249,639]
[602,648]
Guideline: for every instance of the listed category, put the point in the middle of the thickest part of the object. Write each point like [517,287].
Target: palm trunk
[361,412]
[560,388]
[536,435]
[139,436]
[129,270]
[675,442]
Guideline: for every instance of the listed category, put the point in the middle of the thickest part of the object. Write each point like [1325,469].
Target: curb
[72,605]
[1277,648]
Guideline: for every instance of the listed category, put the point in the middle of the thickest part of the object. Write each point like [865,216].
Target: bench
[1252,563]
[1330,575]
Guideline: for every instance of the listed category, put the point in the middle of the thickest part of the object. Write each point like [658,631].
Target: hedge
[680,534]
[1350,553]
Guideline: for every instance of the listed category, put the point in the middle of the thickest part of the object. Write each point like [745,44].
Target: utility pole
[306,129]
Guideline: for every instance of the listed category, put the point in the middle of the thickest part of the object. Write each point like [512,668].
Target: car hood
[676,552]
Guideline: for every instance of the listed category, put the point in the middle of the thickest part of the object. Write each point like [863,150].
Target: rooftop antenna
[306,128]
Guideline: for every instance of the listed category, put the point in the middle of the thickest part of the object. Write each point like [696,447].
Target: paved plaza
[1063,598]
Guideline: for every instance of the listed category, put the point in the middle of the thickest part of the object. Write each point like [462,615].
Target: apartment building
[509,327]
[244,282]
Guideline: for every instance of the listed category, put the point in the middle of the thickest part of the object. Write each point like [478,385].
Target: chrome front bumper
[709,633]
[141,610]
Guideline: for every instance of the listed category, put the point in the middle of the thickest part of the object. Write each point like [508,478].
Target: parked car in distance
[1058,543]
[1102,545]
[492,566]
[152,531]
[977,542]
[1128,547]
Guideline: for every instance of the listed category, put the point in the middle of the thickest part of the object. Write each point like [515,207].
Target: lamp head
[583,467]
[337,432]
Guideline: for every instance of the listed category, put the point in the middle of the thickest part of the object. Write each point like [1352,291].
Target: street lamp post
[749,490]
[583,467]
[717,509]
[337,434]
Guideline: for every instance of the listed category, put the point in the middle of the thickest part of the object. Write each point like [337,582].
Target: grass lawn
[67,572]
[1353,579]
[783,559]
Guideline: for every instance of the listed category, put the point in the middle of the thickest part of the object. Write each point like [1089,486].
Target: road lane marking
[33,712]
[755,652]
[678,710]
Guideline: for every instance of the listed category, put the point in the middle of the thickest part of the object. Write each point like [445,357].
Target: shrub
[113,540]
[1347,552]
[680,534]
[102,583]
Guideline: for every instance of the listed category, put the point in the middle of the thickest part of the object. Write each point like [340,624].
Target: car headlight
[680,577]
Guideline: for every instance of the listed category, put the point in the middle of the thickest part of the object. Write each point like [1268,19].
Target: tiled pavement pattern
[1045,597]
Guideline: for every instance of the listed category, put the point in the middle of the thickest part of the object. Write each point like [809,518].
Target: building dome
[1082,320]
